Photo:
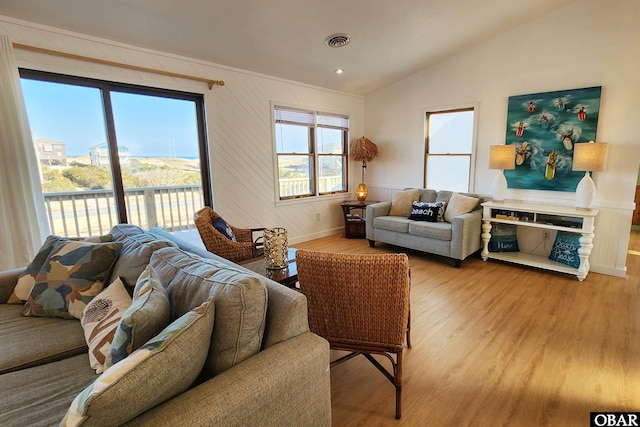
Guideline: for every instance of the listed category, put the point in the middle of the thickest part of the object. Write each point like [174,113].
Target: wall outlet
[317,217]
[546,235]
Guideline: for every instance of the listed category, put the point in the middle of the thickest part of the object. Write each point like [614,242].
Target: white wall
[238,120]
[588,43]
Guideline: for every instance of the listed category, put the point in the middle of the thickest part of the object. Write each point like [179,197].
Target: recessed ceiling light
[339,71]
[337,40]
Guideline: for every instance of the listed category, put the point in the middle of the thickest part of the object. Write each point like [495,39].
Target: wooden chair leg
[409,330]
[398,384]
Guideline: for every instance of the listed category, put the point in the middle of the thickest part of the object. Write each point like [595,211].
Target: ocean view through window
[112,153]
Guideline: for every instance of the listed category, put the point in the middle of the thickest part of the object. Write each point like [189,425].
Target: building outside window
[112,153]
[311,152]
[449,149]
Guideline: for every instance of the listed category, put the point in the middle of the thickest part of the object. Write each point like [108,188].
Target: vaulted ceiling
[285,38]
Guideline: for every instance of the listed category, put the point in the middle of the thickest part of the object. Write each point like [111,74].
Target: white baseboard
[318,235]
[616,272]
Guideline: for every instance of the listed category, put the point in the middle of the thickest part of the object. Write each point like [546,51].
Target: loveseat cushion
[428,195]
[402,200]
[392,223]
[428,211]
[460,204]
[41,395]
[23,339]
[432,230]
[240,301]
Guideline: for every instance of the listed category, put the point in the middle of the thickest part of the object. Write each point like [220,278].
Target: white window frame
[313,125]
[472,155]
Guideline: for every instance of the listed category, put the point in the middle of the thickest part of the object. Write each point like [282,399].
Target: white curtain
[23,220]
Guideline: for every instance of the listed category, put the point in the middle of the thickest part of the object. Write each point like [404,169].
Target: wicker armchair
[245,247]
[360,304]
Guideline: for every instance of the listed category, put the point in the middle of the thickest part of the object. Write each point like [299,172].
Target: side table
[354,223]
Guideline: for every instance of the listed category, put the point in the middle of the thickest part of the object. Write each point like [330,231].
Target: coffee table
[285,276]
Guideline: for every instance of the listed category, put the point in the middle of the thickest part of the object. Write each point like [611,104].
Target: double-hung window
[449,150]
[311,152]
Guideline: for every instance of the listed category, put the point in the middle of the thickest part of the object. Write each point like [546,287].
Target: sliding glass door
[112,153]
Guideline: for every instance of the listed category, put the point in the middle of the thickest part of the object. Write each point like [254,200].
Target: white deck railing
[93,212]
[294,186]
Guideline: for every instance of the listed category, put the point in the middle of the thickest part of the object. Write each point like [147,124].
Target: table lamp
[501,157]
[365,150]
[588,156]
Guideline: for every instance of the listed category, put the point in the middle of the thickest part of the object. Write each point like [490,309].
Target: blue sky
[148,126]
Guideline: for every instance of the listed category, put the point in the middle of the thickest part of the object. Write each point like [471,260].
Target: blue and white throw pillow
[222,226]
[427,211]
[504,238]
[565,249]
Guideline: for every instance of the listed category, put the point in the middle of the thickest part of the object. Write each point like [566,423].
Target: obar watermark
[610,419]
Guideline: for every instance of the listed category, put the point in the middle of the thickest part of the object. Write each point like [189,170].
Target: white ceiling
[390,39]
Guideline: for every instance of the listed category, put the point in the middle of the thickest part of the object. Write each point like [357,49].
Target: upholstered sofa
[251,353]
[452,231]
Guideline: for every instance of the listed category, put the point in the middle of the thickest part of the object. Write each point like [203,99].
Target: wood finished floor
[496,344]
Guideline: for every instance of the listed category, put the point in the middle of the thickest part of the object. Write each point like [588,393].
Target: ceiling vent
[337,40]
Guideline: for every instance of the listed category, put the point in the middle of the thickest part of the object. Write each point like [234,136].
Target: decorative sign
[544,127]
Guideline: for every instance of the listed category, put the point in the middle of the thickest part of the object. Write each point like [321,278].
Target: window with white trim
[311,151]
[449,149]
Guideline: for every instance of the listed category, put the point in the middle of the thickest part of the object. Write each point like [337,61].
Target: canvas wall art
[544,127]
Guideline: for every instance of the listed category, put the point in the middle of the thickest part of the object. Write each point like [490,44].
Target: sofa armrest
[286,384]
[373,211]
[8,280]
[465,234]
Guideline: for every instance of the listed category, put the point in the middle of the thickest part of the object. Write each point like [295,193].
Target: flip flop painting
[544,128]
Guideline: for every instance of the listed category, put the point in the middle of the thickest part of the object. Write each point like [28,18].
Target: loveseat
[446,223]
[251,353]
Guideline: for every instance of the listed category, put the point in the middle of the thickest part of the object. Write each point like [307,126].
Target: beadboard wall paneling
[239,126]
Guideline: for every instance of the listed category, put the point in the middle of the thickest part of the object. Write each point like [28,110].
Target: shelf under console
[550,217]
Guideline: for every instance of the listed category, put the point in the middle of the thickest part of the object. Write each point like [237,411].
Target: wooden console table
[561,218]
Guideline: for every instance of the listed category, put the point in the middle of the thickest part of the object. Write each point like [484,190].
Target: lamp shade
[363,149]
[590,156]
[502,156]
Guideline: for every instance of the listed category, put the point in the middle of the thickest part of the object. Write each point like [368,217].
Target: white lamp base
[585,192]
[499,187]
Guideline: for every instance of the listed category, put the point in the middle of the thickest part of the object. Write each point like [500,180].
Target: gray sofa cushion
[240,303]
[120,231]
[287,309]
[32,341]
[41,395]
[393,223]
[135,255]
[432,230]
